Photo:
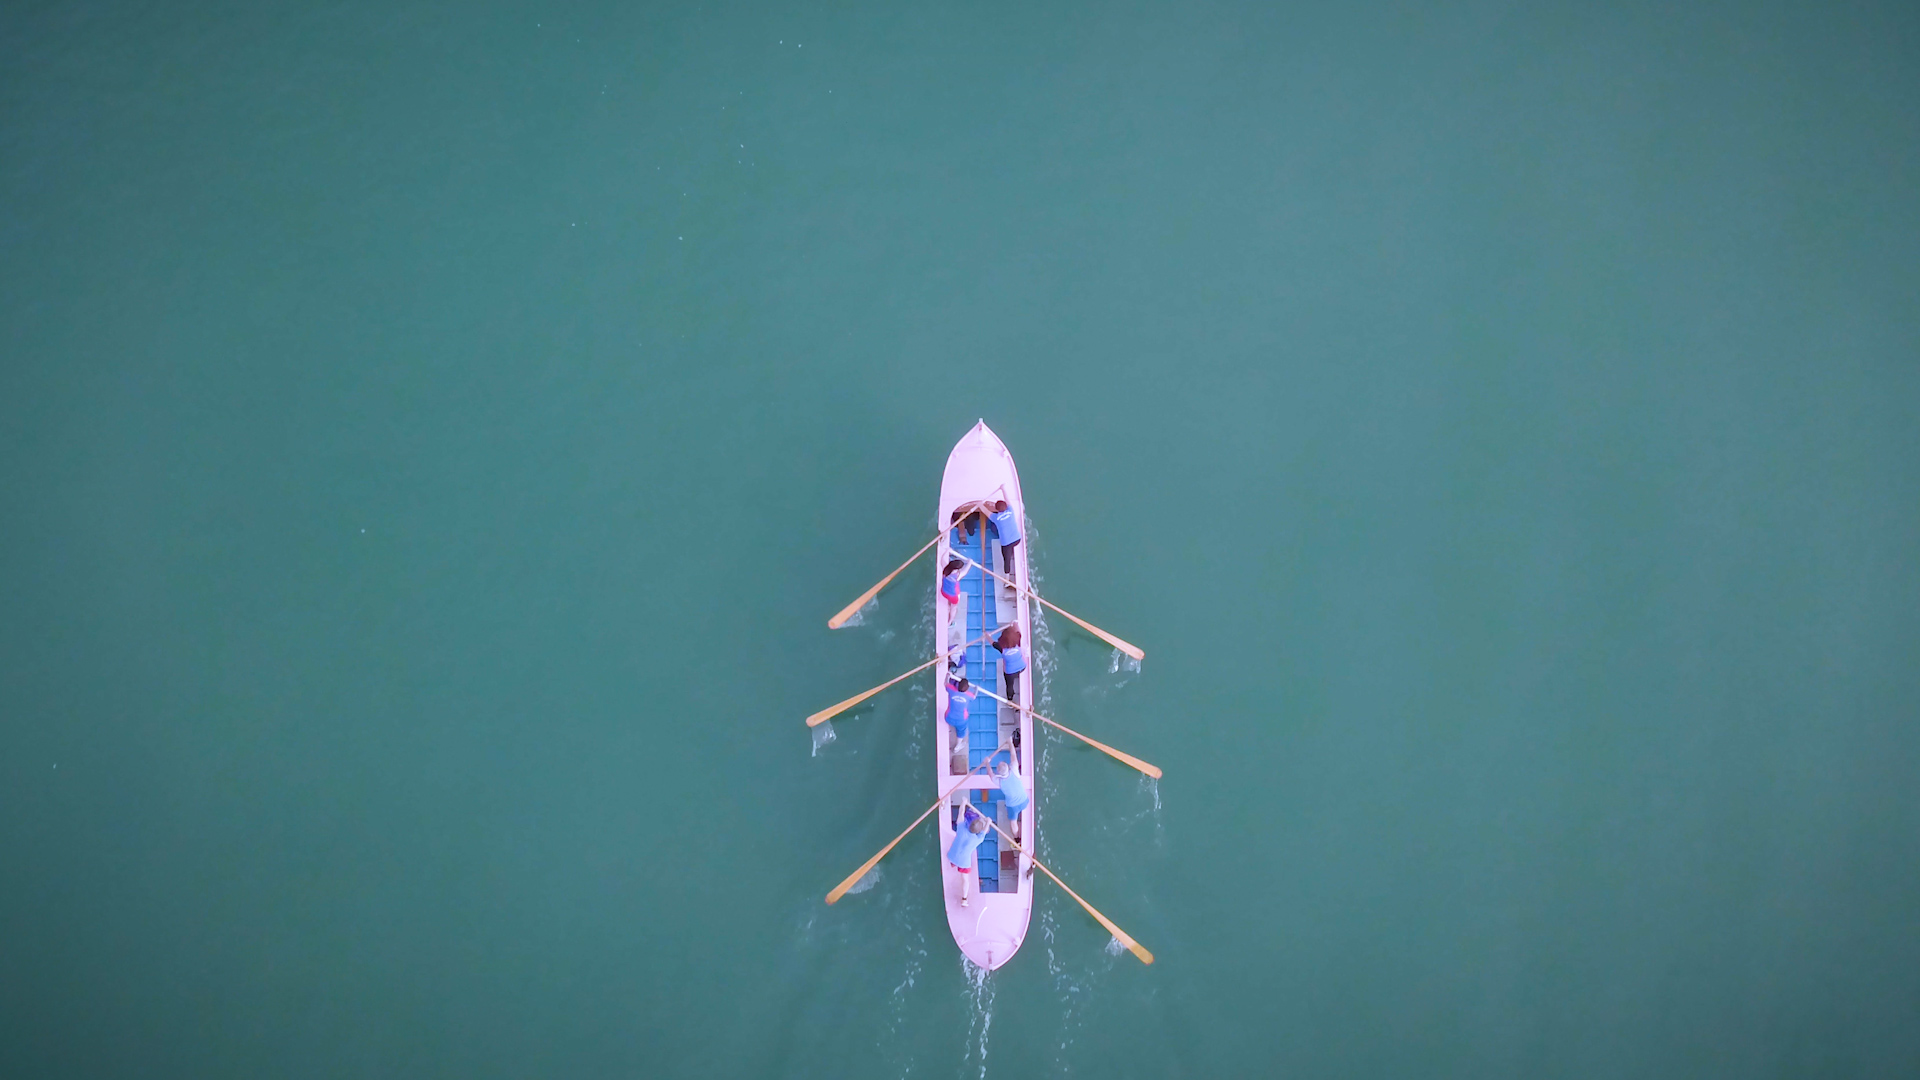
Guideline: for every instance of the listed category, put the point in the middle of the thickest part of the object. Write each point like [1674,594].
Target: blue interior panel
[982,670]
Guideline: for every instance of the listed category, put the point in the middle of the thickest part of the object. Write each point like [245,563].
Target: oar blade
[832,711]
[1124,646]
[848,612]
[1127,647]
[824,715]
[1120,935]
[1119,755]
[840,890]
[1146,767]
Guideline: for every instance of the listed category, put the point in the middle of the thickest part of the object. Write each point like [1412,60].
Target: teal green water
[432,440]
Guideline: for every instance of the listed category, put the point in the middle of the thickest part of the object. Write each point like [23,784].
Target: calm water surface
[432,440]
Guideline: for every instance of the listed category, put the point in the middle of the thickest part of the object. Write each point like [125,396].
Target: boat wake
[1045,656]
[920,691]
[979,1012]
[823,737]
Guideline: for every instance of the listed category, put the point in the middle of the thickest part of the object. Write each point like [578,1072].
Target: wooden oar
[1150,770]
[861,601]
[1130,649]
[840,890]
[1135,947]
[827,714]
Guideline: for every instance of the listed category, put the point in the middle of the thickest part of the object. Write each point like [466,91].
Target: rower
[1014,791]
[1013,660]
[960,852]
[1008,526]
[962,520]
[958,694]
[950,590]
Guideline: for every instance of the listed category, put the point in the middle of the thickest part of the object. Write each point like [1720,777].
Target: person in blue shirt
[1013,660]
[1007,524]
[960,853]
[959,693]
[1014,790]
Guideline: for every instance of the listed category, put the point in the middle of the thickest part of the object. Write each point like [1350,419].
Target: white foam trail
[920,703]
[902,1056]
[912,973]
[1115,947]
[980,1019]
[1070,992]
[1044,657]
[823,736]
[920,691]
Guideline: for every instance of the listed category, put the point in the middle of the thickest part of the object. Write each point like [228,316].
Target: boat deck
[988,603]
[990,908]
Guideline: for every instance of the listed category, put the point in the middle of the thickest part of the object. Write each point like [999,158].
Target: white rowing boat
[990,926]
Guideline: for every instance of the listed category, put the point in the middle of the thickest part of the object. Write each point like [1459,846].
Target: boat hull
[990,927]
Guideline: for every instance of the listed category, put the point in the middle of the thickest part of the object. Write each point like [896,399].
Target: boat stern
[989,954]
[991,927]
